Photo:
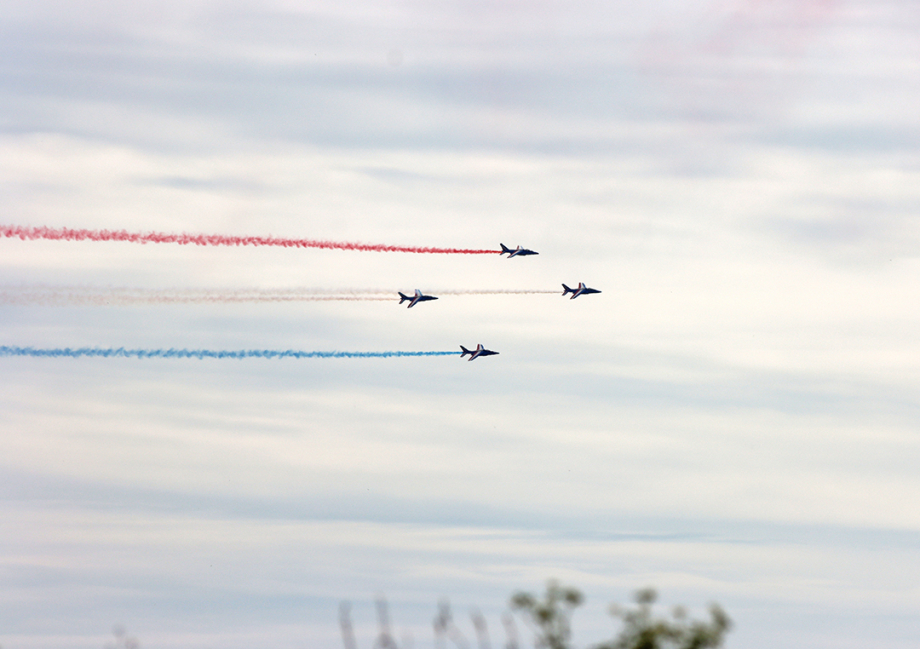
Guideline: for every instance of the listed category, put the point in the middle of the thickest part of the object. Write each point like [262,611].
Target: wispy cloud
[732,418]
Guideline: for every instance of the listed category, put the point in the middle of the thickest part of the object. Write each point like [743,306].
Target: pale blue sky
[734,419]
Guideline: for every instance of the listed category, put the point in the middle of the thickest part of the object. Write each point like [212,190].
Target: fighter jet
[522,252]
[581,290]
[413,300]
[476,353]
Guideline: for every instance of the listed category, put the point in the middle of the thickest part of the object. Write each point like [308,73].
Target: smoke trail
[82,296]
[68,234]
[117,296]
[510,291]
[199,353]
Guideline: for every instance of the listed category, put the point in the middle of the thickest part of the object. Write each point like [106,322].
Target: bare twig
[348,631]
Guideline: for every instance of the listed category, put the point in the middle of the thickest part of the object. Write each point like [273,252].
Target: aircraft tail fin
[403,297]
[566,290]
[504,249]
[465,351]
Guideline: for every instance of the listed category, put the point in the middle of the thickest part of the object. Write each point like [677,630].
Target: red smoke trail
[68,234]
[731,59]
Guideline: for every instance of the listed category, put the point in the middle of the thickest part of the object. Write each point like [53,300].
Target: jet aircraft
[476,353]
[516,252]
[581,290]
[413,300]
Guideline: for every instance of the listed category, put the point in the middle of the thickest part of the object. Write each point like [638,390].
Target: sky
[734,419]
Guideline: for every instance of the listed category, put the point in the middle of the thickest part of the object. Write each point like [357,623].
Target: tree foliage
[641,630]
[550,619]
[549,616]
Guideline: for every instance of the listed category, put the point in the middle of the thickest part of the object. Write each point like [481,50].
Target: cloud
[732,418]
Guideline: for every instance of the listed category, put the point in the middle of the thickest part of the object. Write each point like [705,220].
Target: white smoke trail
[86,296]
[125,296]
[510,291]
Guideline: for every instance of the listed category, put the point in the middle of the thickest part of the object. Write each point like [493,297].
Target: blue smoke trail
[200,353]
